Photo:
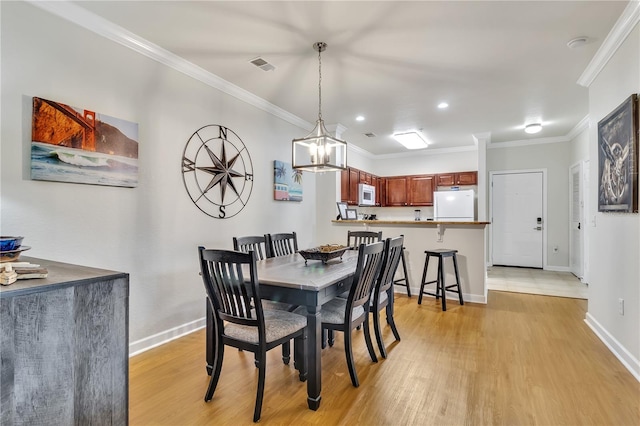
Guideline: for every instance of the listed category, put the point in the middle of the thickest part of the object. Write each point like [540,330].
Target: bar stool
[404,281]
[441,254]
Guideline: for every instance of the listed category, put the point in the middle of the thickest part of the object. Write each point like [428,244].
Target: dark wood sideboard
[64,347]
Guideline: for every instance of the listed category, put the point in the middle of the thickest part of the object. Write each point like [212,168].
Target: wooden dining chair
[240,320]
[355,238]
[346,314]
[256,243]
[382,295]
[283,244]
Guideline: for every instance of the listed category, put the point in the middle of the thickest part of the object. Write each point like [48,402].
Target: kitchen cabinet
[349,179]
[415,190]
[396,191]
[458,178]
[421,190]
[365,177]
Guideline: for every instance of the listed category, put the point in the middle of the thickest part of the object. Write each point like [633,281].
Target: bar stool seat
[441,287]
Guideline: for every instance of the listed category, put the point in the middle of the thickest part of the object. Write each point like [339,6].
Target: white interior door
[576,213]
[517,219]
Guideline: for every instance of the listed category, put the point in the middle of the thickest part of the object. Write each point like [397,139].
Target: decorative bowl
[10,243]
[12,255]
[323,253]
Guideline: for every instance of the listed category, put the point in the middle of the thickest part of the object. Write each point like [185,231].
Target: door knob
[578,225]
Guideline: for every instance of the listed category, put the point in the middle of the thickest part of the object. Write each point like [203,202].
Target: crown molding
[622,28]
[578,128]
[527,142]
[94,23]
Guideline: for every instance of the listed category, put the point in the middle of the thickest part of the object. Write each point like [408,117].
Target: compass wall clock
[217,171]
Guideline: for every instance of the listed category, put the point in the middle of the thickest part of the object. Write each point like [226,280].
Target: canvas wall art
[287,182]
[71,144]
[618,159]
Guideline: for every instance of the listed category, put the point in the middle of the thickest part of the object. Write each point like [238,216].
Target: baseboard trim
[557,268]
[158,339]
[620,352]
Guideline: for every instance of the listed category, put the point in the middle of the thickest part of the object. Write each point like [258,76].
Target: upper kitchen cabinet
[416,190]
[421,190]
[349,180]
[459,178]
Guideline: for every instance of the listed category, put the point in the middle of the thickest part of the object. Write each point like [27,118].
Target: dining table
[290,279]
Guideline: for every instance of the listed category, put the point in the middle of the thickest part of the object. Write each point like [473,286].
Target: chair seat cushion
[333,311]
[278,324]
[383,298]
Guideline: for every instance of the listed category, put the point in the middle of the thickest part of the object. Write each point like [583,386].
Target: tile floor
[535,281]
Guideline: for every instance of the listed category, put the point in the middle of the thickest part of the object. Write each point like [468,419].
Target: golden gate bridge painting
[70,144]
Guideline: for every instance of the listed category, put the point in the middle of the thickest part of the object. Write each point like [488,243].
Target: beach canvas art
[287,182]
[71,144]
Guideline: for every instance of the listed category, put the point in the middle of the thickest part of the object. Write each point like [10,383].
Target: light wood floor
[519,360]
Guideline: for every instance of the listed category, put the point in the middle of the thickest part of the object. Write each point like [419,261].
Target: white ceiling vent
[370,135]
[262,64]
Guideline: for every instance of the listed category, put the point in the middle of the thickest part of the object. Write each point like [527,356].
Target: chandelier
[319,151]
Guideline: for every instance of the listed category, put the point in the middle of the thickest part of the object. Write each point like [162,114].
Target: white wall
[152,231]
[614,239]
[555,158]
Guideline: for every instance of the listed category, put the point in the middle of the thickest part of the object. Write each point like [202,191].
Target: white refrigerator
[454,205]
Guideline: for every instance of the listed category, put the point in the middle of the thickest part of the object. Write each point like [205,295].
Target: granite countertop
[412,222]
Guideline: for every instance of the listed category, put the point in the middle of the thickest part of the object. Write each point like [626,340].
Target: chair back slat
[367,270]
[283,244]
[355,238]
[391,260]
[234,299]
[258,243]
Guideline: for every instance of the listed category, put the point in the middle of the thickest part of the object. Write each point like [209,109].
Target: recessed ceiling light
[360,118]
[533,128]
[411,140]
[443,105]
[577,42]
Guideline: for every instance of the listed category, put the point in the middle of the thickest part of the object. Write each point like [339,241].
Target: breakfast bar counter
[468,237]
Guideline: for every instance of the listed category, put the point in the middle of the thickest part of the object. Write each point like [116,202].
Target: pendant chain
[319,85]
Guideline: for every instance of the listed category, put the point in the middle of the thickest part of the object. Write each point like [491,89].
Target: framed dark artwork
[618,159]
[77,145]
[352,214]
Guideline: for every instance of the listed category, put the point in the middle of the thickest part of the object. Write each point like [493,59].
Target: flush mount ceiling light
[319,151]
[533,128]
[411,140]
[443,105]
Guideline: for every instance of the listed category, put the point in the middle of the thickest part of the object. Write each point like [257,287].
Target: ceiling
[499,65]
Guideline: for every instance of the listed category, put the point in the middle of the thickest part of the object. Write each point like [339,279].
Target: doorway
[576,225]
[518,218]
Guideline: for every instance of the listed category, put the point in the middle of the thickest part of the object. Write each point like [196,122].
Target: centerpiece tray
[323,253]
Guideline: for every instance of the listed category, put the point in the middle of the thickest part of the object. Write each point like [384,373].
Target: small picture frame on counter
[342,211]
[352,214]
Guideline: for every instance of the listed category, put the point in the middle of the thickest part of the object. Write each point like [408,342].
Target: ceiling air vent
[262,64]
[370,135]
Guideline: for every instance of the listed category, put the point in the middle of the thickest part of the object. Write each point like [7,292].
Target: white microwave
[366,195]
